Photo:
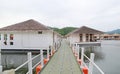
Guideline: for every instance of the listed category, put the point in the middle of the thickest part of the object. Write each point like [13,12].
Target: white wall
[57,40]
[28,40]
[84,37]
[74,38]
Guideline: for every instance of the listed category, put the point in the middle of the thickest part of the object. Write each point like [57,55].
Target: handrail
[27,62]
[30,60]
[94,64]
[22,65]
[36,56]
[85,65]
[76,49]
[36,65]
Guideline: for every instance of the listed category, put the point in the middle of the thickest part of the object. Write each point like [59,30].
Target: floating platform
[88,44]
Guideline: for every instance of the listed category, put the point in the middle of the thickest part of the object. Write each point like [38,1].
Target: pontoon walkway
[63,62]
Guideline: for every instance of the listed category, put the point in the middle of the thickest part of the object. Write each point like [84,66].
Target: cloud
[60,13]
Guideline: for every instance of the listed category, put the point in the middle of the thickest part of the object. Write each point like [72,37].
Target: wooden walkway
[63,62]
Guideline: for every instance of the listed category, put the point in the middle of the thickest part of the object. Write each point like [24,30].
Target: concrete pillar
[92,55]
[48,54]
[82,56]
[41,51]
[0,63]
[0,69]
[84,37]
[30,63]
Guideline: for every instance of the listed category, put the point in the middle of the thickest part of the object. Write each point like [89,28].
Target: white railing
[29,62]
[30,59]
[92,63]
[0,63]
[76,50]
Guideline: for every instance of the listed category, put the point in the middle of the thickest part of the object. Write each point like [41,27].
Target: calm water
[15,60]
[110,64]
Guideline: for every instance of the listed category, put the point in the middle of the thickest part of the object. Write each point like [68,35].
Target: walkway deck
[63,62]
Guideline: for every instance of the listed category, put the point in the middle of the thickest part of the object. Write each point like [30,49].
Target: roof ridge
[83,29]
[25,25]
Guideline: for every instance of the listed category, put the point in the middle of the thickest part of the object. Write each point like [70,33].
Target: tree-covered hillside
[64,30]
[114,31]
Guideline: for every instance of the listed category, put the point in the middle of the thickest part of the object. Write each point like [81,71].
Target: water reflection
[96,50]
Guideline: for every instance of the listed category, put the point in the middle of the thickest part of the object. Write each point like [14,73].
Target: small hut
[83,34]
[28,35]
[110,36]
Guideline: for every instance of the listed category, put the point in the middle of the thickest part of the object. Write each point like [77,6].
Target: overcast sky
[103,15]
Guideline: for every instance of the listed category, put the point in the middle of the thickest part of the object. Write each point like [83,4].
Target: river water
[110,63]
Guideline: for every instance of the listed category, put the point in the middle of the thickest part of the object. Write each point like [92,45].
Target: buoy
[38,69]
[45,61]
[85,70]
[79,61]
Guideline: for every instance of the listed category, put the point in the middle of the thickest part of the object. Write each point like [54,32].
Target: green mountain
[64,30]
[117,31]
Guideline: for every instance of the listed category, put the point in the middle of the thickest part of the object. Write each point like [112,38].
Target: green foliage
[64,30]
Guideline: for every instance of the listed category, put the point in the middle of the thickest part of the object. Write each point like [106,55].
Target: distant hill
[64,30]
[114,31]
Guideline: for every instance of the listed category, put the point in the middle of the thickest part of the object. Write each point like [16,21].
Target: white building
[28,35]
[83,34]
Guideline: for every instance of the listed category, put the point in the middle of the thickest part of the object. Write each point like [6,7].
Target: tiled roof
[86,30]
[26,25]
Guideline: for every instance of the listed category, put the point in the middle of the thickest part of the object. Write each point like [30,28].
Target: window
[39,32]
[5,36]
[5,42]
[11,43]
[81,37]
[11,37]
[87,37]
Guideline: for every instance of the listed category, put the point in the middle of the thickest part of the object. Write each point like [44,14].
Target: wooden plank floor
[63,62]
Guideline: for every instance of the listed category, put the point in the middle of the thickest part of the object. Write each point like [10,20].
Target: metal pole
[51,50]
[48,54]
[92,55]
[78,52]
[82,56]
[0,63]
[76,49]
[0,58]
[30,63]
[41,51]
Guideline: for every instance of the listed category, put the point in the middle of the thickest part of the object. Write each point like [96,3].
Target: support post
[48,54]
[92,55]
[76,49]
[0,58]
[41,51]
[51,50]
[0,63]
[78,52]
[30,63]
[82,56]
